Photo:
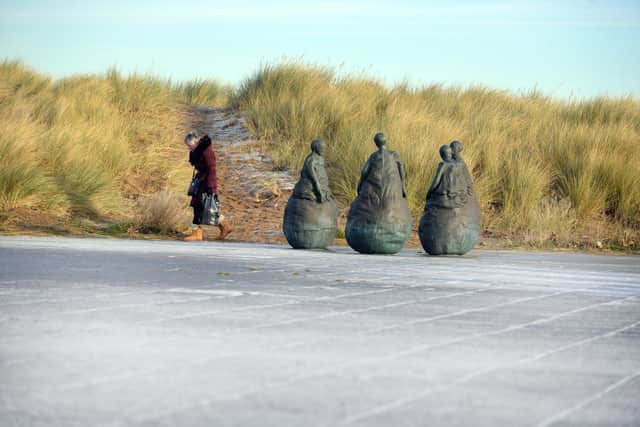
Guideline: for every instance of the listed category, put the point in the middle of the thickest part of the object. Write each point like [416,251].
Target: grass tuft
[161,212]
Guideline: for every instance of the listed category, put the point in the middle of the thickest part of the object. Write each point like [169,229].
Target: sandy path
[252,194]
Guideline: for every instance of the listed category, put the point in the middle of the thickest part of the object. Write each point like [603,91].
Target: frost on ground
[103,332]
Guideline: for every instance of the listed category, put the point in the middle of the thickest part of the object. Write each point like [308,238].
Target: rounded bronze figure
[379,220]
[450,224]
[310,217]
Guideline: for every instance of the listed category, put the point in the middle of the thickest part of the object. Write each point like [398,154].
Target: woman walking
[203,159]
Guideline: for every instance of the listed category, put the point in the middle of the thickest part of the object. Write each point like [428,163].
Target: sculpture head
[456,148]
[446,153]
[318,146]
[380,139]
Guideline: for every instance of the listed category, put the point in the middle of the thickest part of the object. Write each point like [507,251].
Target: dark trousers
[197,214]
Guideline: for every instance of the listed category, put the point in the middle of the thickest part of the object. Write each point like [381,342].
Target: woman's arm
[210,160]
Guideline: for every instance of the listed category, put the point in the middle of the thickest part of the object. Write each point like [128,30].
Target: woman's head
[191,140]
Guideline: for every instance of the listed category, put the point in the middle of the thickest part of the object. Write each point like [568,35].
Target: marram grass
[545,171]
[90,146]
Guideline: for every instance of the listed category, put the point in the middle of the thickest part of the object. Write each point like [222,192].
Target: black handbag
[194,187]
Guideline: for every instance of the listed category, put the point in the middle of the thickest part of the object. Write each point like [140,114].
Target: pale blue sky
[563,48]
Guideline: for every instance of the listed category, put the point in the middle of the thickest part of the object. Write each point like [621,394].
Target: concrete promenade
[97,332]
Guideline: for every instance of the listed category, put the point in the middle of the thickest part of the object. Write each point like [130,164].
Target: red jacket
[203,160]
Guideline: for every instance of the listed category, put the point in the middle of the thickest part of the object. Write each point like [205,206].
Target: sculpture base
[310,225]
[377,237]
[446,231]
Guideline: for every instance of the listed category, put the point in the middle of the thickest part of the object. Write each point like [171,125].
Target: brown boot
[225,229]
[196,235]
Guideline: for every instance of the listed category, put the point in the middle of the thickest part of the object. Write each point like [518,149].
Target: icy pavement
[117,333]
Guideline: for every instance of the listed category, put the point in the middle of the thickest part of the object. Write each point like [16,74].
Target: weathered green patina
[379,220]
[310,217]
[450,224]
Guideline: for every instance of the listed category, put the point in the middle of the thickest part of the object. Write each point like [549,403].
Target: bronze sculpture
[379,220]
[450,224]
[310,217]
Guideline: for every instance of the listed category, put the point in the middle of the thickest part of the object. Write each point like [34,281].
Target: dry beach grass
[90,146]
[548,173]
